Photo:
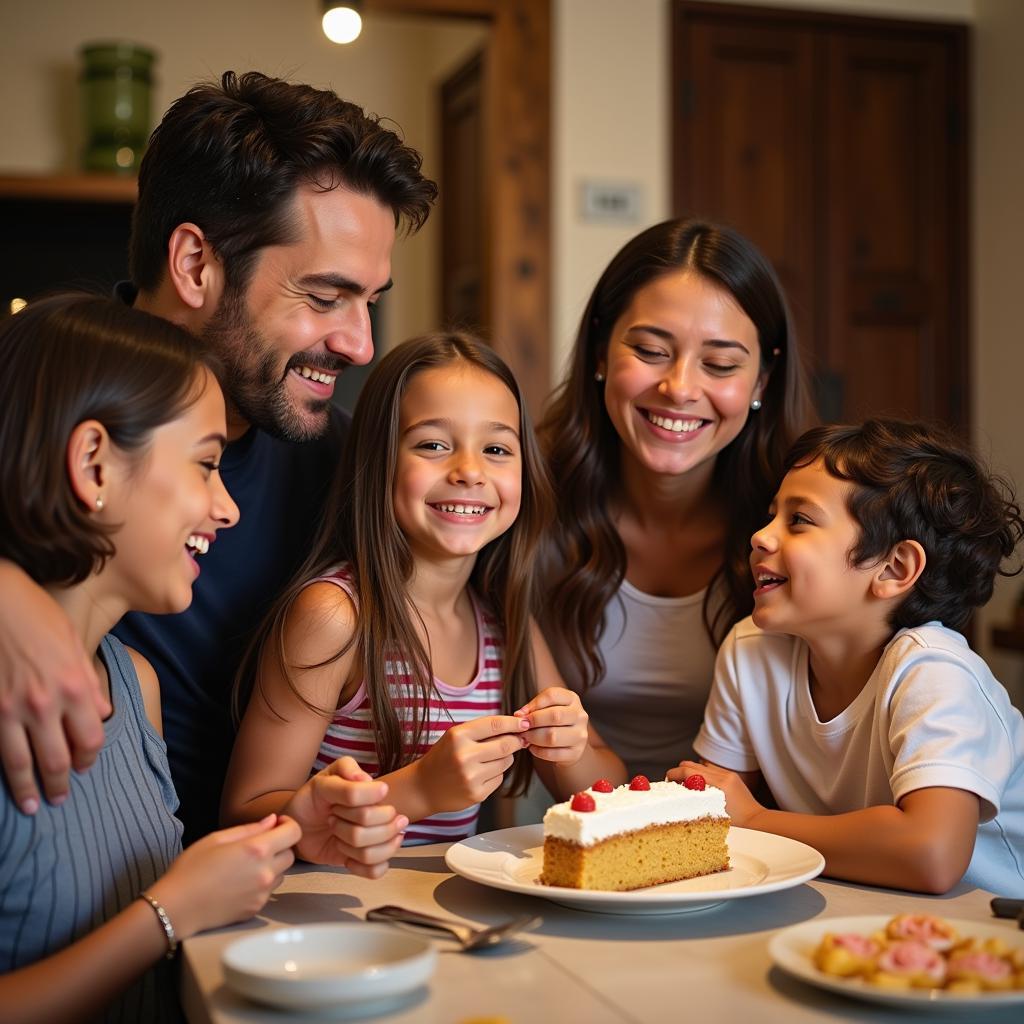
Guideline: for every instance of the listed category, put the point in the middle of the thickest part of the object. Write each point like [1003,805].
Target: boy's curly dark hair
[916,481]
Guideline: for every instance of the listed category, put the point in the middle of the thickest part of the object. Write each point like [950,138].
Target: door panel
[889,238]
[748,159]
[837,144]
[465,302]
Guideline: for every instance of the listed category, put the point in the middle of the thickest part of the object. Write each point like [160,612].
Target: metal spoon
[467,936]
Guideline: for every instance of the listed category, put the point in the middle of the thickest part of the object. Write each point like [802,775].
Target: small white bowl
[334,965]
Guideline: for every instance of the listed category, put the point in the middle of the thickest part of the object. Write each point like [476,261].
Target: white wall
[612,123]
[197,39]
[998,327]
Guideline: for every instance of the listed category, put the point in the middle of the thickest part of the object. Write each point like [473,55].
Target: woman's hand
[469,761]
[739,801]
[344,820]
[558,726]
[227,876]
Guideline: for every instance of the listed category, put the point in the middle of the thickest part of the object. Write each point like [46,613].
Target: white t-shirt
[659,663]
[932,714]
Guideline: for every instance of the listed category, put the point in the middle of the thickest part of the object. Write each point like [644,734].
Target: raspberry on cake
[636,835]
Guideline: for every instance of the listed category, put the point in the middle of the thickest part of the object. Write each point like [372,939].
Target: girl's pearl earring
[99,503]
[755,404]
[599,376]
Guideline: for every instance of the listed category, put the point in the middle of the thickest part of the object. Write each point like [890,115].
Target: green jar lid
[106,58]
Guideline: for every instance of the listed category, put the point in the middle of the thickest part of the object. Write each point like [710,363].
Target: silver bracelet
[165,923]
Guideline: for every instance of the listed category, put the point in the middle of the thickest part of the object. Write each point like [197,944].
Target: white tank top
[659,664]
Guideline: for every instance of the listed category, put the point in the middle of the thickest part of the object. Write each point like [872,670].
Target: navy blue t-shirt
[280,488]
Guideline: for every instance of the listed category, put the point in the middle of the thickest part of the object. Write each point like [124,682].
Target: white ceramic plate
[328,965]
[791,949]
[512,859]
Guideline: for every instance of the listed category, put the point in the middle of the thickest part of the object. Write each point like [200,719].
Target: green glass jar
[116,82]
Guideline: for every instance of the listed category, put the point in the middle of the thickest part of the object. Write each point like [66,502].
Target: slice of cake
[633,836]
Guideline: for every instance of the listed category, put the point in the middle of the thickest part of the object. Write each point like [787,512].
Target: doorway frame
[517,173]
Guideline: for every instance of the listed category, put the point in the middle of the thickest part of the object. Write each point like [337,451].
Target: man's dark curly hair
[916,481]
[228,156]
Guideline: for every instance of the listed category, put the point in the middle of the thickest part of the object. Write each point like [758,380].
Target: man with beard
[265,221]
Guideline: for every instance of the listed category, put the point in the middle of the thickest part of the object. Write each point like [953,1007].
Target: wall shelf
[71,188]
[63,231]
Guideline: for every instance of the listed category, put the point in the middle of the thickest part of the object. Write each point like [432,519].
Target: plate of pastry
[908,960]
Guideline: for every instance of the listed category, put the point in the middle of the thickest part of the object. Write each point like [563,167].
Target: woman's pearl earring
[755,404]
[599,376]
[99,503]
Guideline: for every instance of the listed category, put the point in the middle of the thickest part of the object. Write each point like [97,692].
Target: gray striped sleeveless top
[66,870]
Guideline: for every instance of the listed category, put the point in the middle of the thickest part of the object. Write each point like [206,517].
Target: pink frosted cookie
[979,971]
[932,931]
[846,955]
[909,964]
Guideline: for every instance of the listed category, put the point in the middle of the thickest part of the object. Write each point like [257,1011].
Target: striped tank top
[351,733]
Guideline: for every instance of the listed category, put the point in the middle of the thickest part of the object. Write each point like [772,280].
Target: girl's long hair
[584,450]
[359,528]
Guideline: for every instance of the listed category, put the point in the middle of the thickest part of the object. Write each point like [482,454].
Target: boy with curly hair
[886,742]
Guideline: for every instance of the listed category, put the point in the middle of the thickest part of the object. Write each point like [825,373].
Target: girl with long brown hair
[667,437]
[407,640]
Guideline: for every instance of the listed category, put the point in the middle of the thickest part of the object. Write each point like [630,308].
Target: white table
[707,967]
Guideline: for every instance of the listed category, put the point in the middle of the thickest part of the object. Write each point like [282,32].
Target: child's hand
[227,876]
[468,763]
[739,801]
[558,725]
[344,821]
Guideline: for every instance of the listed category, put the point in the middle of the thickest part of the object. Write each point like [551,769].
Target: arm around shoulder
[51,706]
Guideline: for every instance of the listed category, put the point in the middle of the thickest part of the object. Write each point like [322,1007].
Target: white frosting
[626,810]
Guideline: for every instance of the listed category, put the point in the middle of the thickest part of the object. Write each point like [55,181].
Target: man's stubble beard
[253,382]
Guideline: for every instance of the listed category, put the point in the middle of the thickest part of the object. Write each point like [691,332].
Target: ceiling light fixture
[341,21]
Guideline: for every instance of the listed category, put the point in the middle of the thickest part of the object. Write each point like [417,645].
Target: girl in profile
[407,641]
[112,427]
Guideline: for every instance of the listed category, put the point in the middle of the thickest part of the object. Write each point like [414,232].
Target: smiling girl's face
[459,472]
[682,367]
[171,502]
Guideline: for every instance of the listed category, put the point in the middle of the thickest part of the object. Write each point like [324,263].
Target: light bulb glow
[342,24]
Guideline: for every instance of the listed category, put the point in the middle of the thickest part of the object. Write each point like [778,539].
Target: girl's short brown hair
[67,359]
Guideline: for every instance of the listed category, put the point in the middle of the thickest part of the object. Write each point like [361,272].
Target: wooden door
[838,145]
[465,295]
[517,170]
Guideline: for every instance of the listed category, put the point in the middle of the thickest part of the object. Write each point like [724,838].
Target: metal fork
[467,936]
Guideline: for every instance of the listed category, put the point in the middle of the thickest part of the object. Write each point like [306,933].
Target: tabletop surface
[580,966]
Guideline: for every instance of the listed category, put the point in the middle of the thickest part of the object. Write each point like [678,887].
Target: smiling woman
[667,438]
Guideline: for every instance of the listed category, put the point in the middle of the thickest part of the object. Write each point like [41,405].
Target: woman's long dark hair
[359,528]
[583,447]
